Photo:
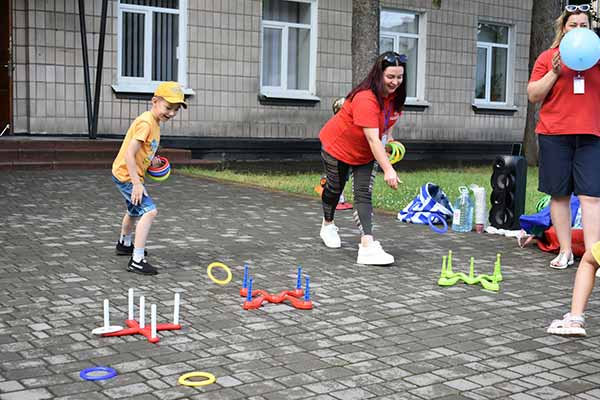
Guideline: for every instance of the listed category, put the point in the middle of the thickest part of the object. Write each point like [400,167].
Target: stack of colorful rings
[161,173]
[397,151]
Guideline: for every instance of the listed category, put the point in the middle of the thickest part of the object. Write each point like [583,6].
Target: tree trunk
[543,14]
[365,37]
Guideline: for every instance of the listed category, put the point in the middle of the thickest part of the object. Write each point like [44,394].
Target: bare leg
[143,228]
[590,215]
[365,240]
[584,283]
[560,211]
[127,224]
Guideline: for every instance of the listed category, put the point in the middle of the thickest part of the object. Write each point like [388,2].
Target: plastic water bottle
[462,220]
[480,204]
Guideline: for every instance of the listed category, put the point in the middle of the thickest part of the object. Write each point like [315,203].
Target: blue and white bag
[430,204]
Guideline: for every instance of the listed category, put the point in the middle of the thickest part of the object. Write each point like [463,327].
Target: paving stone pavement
[374,332]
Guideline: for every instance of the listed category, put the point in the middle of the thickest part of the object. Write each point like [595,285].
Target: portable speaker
[509,183]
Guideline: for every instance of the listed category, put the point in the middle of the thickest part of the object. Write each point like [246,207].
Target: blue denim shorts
[569,164]
[133,210]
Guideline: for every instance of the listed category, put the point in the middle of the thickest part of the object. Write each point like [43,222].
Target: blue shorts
[146,204]
[569,164]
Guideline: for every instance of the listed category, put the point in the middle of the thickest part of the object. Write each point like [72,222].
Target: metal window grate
[165,39]
[133,45]
[153,3]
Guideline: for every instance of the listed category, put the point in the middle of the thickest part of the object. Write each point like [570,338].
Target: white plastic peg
[107,328]
[106,315]
[142,312]
[153,321]
[176,309]
[130,302]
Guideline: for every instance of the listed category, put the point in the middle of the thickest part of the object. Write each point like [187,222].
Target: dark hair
[374,80]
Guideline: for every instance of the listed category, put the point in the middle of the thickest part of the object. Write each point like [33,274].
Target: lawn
[449,179]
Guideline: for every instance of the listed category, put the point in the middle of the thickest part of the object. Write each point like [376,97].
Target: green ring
[159,178]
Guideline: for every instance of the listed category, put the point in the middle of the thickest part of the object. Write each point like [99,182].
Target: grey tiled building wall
[223,69]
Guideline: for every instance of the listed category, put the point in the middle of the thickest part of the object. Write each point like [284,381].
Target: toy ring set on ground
[433,227]
[88,373]
[397,151]
[185,379]
[224,268]
[159,174]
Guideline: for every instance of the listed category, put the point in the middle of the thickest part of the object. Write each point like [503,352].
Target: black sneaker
[123,250]
[142,267]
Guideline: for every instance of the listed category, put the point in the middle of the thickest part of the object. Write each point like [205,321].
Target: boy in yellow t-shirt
[573,323]
[137,153]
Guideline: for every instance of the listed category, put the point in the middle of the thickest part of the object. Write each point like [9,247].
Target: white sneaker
[329,234]
[373,254]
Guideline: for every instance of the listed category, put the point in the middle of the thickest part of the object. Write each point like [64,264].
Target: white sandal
[570,325]
[562,261]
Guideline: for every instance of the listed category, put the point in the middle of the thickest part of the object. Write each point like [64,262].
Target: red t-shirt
[343,136]
[564,112]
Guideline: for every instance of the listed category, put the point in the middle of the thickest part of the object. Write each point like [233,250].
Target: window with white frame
[404,33]
[151,43]
[289,48]
[492,83]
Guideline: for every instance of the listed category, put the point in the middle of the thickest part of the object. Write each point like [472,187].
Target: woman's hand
[537,90]
[391,178]
[556,63]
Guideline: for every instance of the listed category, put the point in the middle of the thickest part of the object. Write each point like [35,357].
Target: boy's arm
[138,188]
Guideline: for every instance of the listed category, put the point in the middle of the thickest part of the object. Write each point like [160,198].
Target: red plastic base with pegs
[293,296]
[134,329]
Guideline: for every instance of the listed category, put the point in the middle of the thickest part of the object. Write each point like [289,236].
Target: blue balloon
[580,49]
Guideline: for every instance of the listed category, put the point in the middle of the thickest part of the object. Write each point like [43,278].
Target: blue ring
[159,174]
[110,373]
[436,229]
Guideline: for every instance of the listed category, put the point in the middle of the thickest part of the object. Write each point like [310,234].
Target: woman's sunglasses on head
[393,59]
[580,7]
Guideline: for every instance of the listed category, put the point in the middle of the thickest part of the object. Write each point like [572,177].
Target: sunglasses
[393,59]
[574,8]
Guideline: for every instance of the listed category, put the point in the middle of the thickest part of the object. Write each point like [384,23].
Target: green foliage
[383,196]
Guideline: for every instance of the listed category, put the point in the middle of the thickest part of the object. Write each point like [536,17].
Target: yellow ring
[184,379]
[398,151]
[395,155]
[401,150]
[219,281]
[159,178]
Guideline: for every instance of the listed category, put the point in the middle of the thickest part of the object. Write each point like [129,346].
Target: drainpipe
[97,89]
[86,66]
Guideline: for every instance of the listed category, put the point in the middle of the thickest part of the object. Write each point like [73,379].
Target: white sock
[126,239]
[138,254]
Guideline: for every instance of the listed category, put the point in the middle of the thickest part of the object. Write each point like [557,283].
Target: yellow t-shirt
[145,129]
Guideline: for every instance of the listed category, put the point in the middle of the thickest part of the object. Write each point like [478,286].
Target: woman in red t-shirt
[352,139]
[569,136]
[569,148]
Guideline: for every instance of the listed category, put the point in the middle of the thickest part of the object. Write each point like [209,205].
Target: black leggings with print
[363,177]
